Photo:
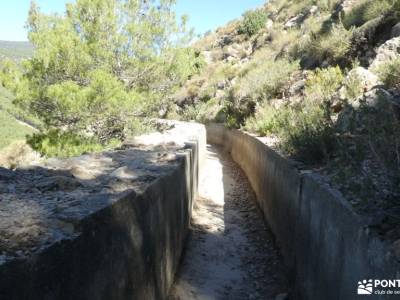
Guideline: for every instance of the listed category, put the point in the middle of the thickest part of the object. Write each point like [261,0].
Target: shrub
[303,132]
[263,80]
[203,112]
[55,143]
[333,46]
[17,154]
[252,22]
[389,73]
[267,120]
[307,135]
[266,79]
[365,11]
[322,83]
[353,87]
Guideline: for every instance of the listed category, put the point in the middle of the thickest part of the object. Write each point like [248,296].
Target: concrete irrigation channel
[193,213]
[230,253]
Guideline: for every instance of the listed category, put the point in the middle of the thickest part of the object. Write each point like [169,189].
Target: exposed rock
[62,183]
[348,5]
[220,94]
[373,97]
[352,115]
[297,87]
[208,57]
[366,78]
[225,40]
[126,173]
[395,31]
[6,174]
[269,24]
[314,9]
[388,51]
[295,21]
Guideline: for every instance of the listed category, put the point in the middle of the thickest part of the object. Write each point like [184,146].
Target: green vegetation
[265,79]
[365,11]
[66,144]
[267,120]
[10,129]
[305,130]
[252,22]
[389,73]
[101,65]
[333,46]
[322,83]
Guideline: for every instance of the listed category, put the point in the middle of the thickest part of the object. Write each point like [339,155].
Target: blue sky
[204,14]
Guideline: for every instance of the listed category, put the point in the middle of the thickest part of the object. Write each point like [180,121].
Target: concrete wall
[128,250]
[326,246]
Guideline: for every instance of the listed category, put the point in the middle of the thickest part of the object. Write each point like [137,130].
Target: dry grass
[18,154]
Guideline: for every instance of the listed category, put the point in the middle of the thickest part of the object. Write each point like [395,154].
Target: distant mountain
[15,50]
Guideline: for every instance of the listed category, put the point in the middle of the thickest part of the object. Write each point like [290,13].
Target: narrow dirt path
[230,253]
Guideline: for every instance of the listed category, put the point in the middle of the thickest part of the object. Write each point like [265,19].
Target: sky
[204,15]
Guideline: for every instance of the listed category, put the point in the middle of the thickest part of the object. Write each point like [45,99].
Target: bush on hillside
[258,82]
[322,83]
[306,130]
[389,73]
[267,120]
[365,11]
[332,47]
[307,134]
[303,131]
[252,22]
[265,79]
[56,143]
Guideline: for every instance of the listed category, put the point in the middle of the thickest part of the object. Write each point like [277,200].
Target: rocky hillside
[320,79]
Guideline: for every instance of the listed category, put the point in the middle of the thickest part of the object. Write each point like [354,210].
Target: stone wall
[327,247]
[120,230]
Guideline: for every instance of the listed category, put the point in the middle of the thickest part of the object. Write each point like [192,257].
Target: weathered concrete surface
[230,253]
[102,226]
[275,181]
[327,246]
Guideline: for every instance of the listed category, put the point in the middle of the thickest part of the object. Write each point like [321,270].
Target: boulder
[314,9]
[386,52]
[269,24]
[297,87]
[368,80]
[295,21]
[353,115]
[395,31]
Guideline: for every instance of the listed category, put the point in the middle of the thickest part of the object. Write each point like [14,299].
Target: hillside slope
[320,79]
[12,128]
[15,50]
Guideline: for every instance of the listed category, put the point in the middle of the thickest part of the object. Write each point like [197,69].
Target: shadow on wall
[117,235]
[229,249]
